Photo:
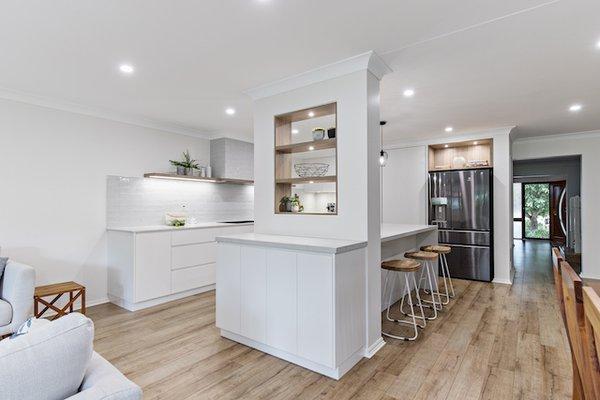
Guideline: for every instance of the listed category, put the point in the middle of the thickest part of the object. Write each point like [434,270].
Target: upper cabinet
[461,155]
[306,161]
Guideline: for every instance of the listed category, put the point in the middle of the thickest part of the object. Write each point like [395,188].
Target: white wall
[53,169]
[404,186]
[405,183]
[586,144]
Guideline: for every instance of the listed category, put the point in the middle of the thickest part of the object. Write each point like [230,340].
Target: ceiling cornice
[486,133]
[560,136]
[62,105]
[369,61]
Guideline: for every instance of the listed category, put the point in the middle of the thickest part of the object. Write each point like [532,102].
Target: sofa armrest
[18,285]
[102,381]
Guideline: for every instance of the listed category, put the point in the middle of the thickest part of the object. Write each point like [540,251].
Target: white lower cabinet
[152,253]
[315,307]
[283,302]
[149,268]
[254,292]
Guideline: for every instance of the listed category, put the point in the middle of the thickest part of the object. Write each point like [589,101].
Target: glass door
[518,210]
[536,210]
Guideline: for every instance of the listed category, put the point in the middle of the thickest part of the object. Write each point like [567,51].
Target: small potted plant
[186,166]
[284,204]
[295,203]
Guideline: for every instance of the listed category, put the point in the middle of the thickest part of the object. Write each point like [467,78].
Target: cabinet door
[254,292]
[315,307]
[152,265]
[282,301]
[228,287]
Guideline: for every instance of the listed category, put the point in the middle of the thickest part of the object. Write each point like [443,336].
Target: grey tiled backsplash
[144,201]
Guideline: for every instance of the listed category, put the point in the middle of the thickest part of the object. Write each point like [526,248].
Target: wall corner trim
[369,61]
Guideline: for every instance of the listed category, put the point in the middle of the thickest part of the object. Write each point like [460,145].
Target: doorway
[540,211]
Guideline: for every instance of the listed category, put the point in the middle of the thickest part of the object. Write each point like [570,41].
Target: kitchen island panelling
[299,299]
[150,265]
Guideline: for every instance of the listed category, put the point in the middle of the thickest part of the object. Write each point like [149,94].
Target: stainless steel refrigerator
[460,204]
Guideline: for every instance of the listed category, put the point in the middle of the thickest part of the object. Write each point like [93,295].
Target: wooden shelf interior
[175,177]
[443,156]
[304,147]
[292,148]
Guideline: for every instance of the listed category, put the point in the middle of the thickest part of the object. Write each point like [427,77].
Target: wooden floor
[491,342]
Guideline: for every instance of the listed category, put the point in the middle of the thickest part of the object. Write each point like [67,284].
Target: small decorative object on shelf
[478,163]
[318,133]
[285,204]
[176,218]
[331,133]
[459,162]
[331,207]
[186,166]
[295,203]
[307,170]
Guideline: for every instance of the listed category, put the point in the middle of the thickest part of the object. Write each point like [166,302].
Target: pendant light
[383,155]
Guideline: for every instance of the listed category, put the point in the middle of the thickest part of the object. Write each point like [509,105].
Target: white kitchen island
[302,299]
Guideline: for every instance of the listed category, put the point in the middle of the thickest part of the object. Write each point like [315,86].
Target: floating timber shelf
[313,179]
[169,176]
[307,146]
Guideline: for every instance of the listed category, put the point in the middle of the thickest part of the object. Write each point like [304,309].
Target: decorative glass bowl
[307,170]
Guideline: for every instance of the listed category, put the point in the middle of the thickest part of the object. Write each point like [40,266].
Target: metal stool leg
[413,320]
[445,264]
[446,294]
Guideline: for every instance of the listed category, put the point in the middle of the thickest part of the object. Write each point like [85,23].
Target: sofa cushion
[49,362]
[5,313]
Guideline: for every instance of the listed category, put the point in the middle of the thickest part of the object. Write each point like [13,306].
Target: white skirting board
[335,373]
[154,302]
[374,348]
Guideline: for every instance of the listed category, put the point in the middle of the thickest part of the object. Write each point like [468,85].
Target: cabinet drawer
[236,229]
[192,278]
[192,236]
[193,255]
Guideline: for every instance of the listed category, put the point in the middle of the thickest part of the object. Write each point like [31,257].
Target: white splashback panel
[144,201]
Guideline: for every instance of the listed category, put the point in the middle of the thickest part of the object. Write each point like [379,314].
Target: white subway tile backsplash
[144,201]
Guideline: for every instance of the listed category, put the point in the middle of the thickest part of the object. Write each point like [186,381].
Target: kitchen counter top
[333,246]
[398,231]
[159,228]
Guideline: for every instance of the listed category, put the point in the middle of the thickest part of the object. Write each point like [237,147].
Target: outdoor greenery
[537,211]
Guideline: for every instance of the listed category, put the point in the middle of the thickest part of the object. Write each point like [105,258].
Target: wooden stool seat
[401,265]
[437,249]
[73,289]
[421,255]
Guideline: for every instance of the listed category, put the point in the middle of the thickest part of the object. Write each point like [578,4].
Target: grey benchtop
[398,231]
[159,228]
[332,246]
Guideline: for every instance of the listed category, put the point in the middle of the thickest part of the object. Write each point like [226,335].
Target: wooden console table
[75,291]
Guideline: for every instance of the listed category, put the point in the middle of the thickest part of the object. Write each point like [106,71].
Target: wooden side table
[75,291]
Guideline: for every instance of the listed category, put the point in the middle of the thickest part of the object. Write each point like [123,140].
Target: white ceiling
[474,63]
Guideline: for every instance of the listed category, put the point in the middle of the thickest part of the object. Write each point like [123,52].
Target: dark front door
[558,212]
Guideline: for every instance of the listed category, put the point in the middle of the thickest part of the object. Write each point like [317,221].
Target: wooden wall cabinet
[296,145]
[461,155]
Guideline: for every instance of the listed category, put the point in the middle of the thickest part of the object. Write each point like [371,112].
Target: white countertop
[158,228]
[399,231]
[320,245]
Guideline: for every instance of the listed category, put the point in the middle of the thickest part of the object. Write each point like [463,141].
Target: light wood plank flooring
[491,342]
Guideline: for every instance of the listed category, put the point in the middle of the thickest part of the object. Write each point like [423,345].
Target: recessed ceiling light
[311,148]
[295,131]
[311,181]
[230,111]
[575,108]
[446,146]
[408,92]
[126,68]
[311,114]
[449,129]
[476,142]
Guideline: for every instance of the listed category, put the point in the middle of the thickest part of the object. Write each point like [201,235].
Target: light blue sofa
[16,296]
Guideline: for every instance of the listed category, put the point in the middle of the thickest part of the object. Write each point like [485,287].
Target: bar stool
[407,267]
[429,259]
[442,251]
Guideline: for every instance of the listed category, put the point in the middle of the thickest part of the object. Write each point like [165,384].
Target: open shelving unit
[175,177]
[450,156]
[294,143]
